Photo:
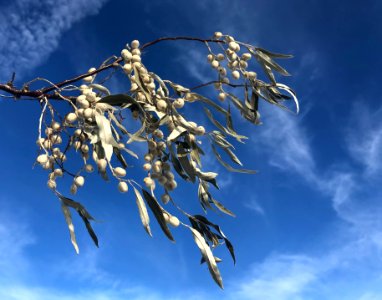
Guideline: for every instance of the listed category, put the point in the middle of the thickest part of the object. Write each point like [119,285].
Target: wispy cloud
[364,138]
[254,205]
[30,30]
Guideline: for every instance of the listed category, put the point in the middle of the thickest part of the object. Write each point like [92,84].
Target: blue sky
[308,225]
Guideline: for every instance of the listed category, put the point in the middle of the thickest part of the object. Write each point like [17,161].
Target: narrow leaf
[158,213]
[142,211]
[222,208]
[208,256]
[68,219]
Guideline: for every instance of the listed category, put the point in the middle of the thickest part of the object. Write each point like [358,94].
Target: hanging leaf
[142,211]
[208,256]
[85,216]
[275,55]
[117,99]
[178,130]
[158,213]
[227,166]
[292,93]
[185,162]
[222,208]
[68,219]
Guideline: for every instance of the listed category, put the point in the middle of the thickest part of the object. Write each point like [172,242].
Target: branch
[45,92]
[184,38]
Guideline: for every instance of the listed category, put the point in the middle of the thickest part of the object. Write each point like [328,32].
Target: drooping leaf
[158,213]
[136,137]
[117,99]
[100,88]
[176,164]
[208,256]
[185,162]
[228,244]
[227,166]
[85,216]
[275,55]
[272,64]
[142,211]
[68,219]
[222,208]
[291,92]
[178,131]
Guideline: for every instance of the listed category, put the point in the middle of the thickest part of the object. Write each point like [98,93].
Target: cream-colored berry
[102,164]
[136,58]
[79,181]
[161,105]
[165,198]
[84,148]
[246,56]
[200,130]
[123,187]
[56,139]
[148,157]
[234,46]
[215,64]
[174,221]
[162,180]
[157,168]
[147,167]
[52,184]
[179,103]
[243,64]
[127,68]
[89,168]
[220,57]
[88,113]
[210,57]
[218,35]
[56,126]
[48,144]
[71,117]
[126,54]
[42,158]
[134,87]
[88,79]
[171,185]
[223,71]
[58,172]
[136,52]
[235,75]
[158,133]
[222,96]
[148,182]
[120,172]
[252,75]
[135,44]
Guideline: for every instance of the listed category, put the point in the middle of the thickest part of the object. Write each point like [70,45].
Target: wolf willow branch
[93,128]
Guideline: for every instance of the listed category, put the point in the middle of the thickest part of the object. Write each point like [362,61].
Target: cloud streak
[30,30]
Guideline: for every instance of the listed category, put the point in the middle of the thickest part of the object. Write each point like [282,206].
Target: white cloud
[254,205]
[280,277]
[364,138]
[30,30]
[284,138]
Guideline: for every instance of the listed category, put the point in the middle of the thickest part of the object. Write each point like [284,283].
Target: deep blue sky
[308,225]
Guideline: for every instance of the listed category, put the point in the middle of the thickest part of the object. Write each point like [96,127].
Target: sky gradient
[308,225]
